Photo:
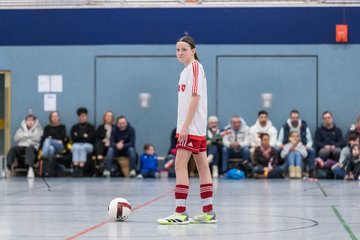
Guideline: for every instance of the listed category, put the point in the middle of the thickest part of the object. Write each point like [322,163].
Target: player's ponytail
[189,40]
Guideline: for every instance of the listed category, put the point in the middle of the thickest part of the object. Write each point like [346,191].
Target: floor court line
[322,189]
[107,221]
[342,221]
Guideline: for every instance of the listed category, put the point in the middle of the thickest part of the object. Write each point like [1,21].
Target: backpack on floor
[47,167]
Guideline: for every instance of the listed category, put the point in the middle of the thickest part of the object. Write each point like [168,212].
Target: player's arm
[194,101]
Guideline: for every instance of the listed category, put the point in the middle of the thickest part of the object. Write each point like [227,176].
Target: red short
[193,145]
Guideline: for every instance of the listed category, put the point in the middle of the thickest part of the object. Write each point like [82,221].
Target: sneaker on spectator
[106,173]
[298,172]
[139,176]
[30,173]
[157,174]
[215,171]
[210,158]
[132,173]
[7,173]
[292,172]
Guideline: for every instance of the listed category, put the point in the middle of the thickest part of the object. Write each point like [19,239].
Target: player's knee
[180,166]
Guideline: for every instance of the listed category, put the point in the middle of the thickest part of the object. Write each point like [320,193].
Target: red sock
[181,194]
[206,194]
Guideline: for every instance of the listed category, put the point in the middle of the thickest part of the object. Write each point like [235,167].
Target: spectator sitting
[170,157]
[354,128]
[83,138]
[213,140]
[102,138]
[328,139]
[339,169]
[122,143]
[353,168]
[236,143]
[262,125]
[27,140]
[294,123]
[54,136]
[148,163]
[266,160]
[294,152]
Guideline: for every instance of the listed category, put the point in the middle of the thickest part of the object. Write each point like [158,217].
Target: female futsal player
[191,136]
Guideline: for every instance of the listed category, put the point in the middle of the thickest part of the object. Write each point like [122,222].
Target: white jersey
[192,81]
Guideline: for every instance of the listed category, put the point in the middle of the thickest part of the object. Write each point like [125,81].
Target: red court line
[105,222]
[151,201]
[88,230]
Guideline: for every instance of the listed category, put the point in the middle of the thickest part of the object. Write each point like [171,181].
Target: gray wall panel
[120,80]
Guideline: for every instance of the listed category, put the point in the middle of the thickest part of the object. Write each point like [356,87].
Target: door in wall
[4,111]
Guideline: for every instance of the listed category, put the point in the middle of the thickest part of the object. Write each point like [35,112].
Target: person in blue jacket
[148,163]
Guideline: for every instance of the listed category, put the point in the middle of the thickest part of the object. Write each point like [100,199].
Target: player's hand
[183,136]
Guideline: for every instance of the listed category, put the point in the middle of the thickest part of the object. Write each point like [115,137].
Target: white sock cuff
[181,202]
[207,201]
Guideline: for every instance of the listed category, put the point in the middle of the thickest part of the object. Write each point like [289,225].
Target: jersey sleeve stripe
[195,67]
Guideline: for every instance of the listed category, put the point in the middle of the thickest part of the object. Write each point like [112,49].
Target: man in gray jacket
[27,141]
[236,142]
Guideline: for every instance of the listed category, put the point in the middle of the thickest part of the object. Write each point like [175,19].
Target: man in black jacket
[328,139]
[122,143]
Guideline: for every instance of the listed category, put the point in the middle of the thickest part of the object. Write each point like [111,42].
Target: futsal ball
[119,209]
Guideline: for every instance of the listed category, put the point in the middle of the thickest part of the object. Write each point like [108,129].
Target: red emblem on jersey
[183,87]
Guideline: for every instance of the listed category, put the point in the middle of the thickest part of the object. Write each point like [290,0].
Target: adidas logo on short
[190,144]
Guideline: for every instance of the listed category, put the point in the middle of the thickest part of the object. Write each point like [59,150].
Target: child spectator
[339,169]
[353,168]
[266,160]
[148,163]
[294,152]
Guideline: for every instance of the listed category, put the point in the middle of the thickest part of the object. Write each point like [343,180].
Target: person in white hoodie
[294,152]
[262,125]
[27,141]
[235,142]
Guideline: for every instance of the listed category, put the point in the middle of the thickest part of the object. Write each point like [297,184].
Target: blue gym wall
[108,56]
